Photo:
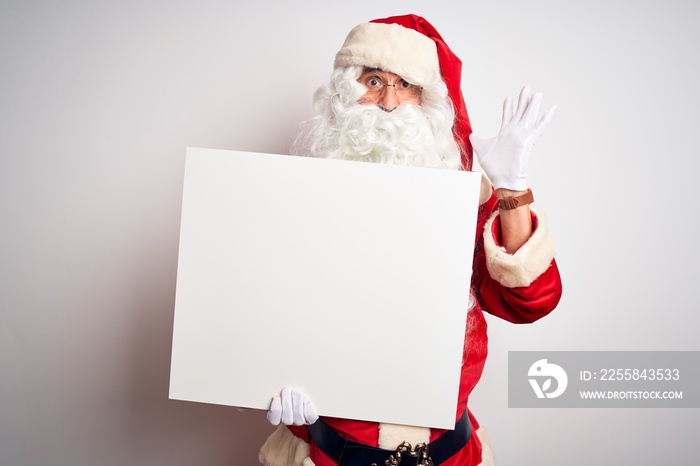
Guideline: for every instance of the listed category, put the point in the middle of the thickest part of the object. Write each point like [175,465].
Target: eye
[373,81]
[405,85]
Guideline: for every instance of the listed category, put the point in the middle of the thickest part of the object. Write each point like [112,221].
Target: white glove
[291,407]
[505,157]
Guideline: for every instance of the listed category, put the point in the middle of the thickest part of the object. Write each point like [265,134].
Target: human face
[388,90]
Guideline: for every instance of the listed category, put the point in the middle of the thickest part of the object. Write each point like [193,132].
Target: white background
[98,101]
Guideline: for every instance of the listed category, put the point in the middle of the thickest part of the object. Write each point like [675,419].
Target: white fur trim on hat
[527,263]
[283,448]
[391,435]
[393,48]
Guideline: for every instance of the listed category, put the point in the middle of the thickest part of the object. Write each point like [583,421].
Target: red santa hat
[411,47]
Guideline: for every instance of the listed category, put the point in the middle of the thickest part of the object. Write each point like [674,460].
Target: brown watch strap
[511,202]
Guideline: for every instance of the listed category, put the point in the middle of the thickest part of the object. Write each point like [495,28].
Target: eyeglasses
[376,85]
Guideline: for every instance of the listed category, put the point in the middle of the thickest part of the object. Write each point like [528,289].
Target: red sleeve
[528,286]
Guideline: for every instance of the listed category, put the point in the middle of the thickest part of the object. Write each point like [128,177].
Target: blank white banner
[349,280]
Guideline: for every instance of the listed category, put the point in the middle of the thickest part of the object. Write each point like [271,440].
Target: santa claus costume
[520,287]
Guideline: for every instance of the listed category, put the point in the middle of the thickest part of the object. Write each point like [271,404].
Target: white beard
[409,135]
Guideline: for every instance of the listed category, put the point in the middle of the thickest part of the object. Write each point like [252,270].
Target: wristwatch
[511,202]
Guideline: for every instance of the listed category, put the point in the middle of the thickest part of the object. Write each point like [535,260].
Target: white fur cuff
[283,448]
[527,263]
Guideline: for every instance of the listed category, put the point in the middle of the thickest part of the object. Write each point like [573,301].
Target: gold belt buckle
[423,458]
[421,451]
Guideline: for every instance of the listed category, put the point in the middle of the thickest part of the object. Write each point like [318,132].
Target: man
[395,97]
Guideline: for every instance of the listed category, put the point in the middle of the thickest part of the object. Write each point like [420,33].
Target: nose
[389,100]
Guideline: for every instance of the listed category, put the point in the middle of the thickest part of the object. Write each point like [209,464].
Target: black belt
[348,453]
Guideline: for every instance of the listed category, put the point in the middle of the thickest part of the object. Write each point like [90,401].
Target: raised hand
[505,157]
